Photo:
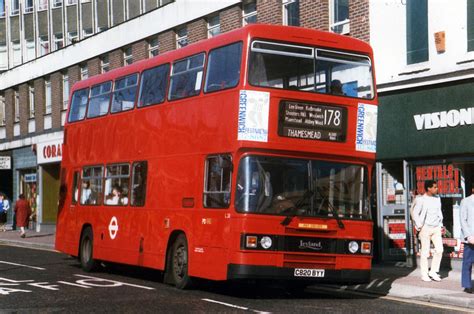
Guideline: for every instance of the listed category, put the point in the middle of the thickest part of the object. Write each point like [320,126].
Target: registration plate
[308,272]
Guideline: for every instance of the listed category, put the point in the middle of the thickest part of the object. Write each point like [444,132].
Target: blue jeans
[467,261]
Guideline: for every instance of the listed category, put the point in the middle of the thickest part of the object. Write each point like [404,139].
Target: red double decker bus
[248,155]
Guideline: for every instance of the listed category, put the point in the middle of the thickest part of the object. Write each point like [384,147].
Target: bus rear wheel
[179,263]
[88,263]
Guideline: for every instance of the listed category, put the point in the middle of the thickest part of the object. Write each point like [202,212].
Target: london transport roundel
[113,227]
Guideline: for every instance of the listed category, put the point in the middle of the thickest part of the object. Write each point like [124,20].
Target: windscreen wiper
[331,208]
[294,209]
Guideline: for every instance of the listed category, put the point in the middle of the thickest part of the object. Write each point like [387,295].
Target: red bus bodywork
[175,137]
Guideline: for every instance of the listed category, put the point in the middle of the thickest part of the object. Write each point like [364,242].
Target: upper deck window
[223,69]
[310,69]
[153,85]
[125,93]
[186,77]
[99,100]
[79,105]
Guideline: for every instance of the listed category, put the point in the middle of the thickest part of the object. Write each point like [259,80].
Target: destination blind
[312,121]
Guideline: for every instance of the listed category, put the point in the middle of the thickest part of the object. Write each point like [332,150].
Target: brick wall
[359,16]
[197,30]
[314,14]
[167,41]
[93,66]
[231,18]
[39,104]
[116,59]
[140,50]
[56,99]
[74,74]
[23,91]
[269,12]
[9,117]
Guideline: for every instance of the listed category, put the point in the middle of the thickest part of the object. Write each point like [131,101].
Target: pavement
[395,280]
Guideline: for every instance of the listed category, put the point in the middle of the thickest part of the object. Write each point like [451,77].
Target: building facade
[425,76]
[48,45]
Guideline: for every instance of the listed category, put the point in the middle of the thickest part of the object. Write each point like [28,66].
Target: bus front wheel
[88,263]
[179,263]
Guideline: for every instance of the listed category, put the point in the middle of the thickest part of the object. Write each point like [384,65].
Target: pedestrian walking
[467,236]
[23,212]
[428,220]
[4,206]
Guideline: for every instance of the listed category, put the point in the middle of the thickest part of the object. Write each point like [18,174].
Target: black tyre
[179,263]
[86,249]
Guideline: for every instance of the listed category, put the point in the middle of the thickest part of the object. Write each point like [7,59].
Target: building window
[3,55]
[291,12]
[47,97]
[15,8]
[31,101]
[2,8]
[28,6]
[30,49]
[2,110]
[65,91]
[16,106]
[57,3]
[153,47]
[16,52]
[58,41]
[182,37]
[127,56]
[70,2]
[84,72]
[72,37]
[470,25]
[42,5]
[339,16]
[213,26]
[417,31]
[104,64]
[43,45]
[87,32]
[249,13]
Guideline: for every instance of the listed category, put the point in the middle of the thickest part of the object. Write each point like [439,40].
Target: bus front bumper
[343,276]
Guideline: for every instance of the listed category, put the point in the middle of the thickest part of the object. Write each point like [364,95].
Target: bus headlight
[365,247]
[353,247]
[266,242]
[251,242]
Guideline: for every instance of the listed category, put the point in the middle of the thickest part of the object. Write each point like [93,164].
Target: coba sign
[444,119]
[51,151]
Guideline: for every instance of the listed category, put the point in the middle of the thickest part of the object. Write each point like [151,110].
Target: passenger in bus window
[117,198]
[86,193]
[336,87]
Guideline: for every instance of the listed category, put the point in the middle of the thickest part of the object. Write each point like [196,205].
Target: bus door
[69,210]
[213,225]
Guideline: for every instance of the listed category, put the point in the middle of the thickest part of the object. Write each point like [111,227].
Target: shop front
[424,134]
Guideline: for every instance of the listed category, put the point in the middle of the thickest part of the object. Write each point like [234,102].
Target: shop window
[139,178]
[79,102]
[186,77]
[125,91]
[417,31]
[223,70]
[75,187]
[153,85]
[99,100]
[116,188]
[91,190]
[217,181]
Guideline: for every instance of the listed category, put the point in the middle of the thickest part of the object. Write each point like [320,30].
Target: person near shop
[428,220]
[4,206]
[467,236]
[23,212]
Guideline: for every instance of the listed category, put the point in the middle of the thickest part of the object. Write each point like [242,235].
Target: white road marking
[233,306]
[92,281]
[22,265]
[74,284]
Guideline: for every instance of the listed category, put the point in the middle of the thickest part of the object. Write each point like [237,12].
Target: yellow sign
[312,226]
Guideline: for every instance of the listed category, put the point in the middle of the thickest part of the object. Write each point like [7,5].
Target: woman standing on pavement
[3,213]
[23,212]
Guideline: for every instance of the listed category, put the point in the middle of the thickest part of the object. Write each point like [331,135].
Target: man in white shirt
[467,236]
[428,219]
